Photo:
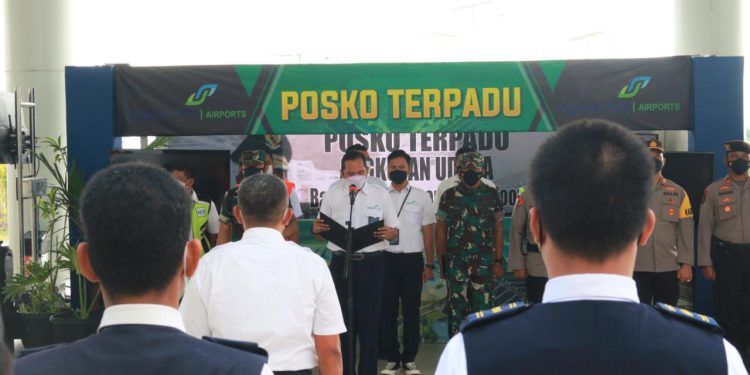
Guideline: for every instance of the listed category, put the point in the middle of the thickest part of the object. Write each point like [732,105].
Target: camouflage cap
[736,145]
[471,159]
[655,145]
[279,162]
[251,158]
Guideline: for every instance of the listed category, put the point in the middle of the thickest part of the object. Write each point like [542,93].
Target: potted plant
[35,295]
[60,208]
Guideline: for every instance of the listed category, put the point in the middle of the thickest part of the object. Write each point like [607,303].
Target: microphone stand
[349,284]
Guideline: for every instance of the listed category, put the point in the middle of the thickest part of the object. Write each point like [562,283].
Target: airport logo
[198,97]
[630,91]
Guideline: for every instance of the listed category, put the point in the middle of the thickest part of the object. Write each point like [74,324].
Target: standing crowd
[600,237]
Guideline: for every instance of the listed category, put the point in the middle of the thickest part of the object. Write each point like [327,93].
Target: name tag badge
[394,241]
[376,213]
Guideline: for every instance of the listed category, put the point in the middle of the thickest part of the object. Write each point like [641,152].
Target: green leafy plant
[35,290]
[60,207]
[69,260]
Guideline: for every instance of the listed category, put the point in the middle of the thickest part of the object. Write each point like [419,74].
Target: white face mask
[182,183]
[357,180]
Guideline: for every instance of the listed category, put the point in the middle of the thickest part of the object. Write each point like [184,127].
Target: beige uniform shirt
[725,213]
[671,244]
[519,231]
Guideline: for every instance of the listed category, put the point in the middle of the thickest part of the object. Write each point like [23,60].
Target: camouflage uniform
[470,216]
[250,158]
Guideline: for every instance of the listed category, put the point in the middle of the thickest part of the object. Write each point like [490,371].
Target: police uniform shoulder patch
[700,320]
[495,313]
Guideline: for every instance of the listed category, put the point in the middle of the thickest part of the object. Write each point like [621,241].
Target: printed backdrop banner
[642,94]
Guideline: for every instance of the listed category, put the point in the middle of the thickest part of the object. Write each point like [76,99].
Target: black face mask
[471,177]
[249,171]
[658,164]
[739,166]
[397,176]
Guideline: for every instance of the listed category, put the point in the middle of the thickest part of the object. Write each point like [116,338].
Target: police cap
[655,145]
[736,145]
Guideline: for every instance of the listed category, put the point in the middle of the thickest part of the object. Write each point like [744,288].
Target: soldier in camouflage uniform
[469,241]
[251,162]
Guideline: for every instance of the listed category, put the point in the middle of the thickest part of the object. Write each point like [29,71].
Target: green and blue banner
[641,94]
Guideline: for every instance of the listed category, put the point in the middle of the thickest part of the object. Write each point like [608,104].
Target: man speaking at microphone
[369,203]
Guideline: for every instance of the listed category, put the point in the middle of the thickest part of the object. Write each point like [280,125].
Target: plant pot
[35,329]
[66,328]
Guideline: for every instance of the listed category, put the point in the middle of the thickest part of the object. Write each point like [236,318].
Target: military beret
[736,145]
[470,159]
[655,145]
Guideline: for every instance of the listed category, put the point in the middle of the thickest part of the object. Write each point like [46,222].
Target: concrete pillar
[37,48]
[708,27]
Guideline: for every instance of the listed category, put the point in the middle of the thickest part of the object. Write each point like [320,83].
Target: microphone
[352,193]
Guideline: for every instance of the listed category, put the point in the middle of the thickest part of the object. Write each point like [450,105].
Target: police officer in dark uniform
[724,244]
[592,182]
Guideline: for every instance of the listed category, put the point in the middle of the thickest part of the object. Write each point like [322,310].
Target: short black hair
[136,220]
[263,199]
[464,150]
[356,147]
[592,185]
[185,168]
[352,155]
[399,154]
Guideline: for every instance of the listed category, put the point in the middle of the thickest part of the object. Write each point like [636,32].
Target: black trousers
[732,294]
[656,287]
[402,285]
[367,283]
[535,288]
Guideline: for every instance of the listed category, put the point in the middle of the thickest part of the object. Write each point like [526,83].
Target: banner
[642,94]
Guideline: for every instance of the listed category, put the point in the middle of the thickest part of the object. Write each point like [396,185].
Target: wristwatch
[500,261]
[430,266]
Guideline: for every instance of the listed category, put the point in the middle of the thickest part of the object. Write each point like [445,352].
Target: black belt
[532,248]
[721,244]
[356,257]
[298,372]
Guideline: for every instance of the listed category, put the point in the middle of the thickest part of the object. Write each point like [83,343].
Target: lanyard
[404,202]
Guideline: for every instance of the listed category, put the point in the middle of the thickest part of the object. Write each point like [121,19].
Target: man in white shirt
[268,290]
[592,186]
[405,267]
[371,204]
[141,261]
[455,179]
[205,216]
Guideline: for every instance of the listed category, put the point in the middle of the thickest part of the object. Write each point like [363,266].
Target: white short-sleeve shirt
[372,203]
[416,213]
[265,290]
